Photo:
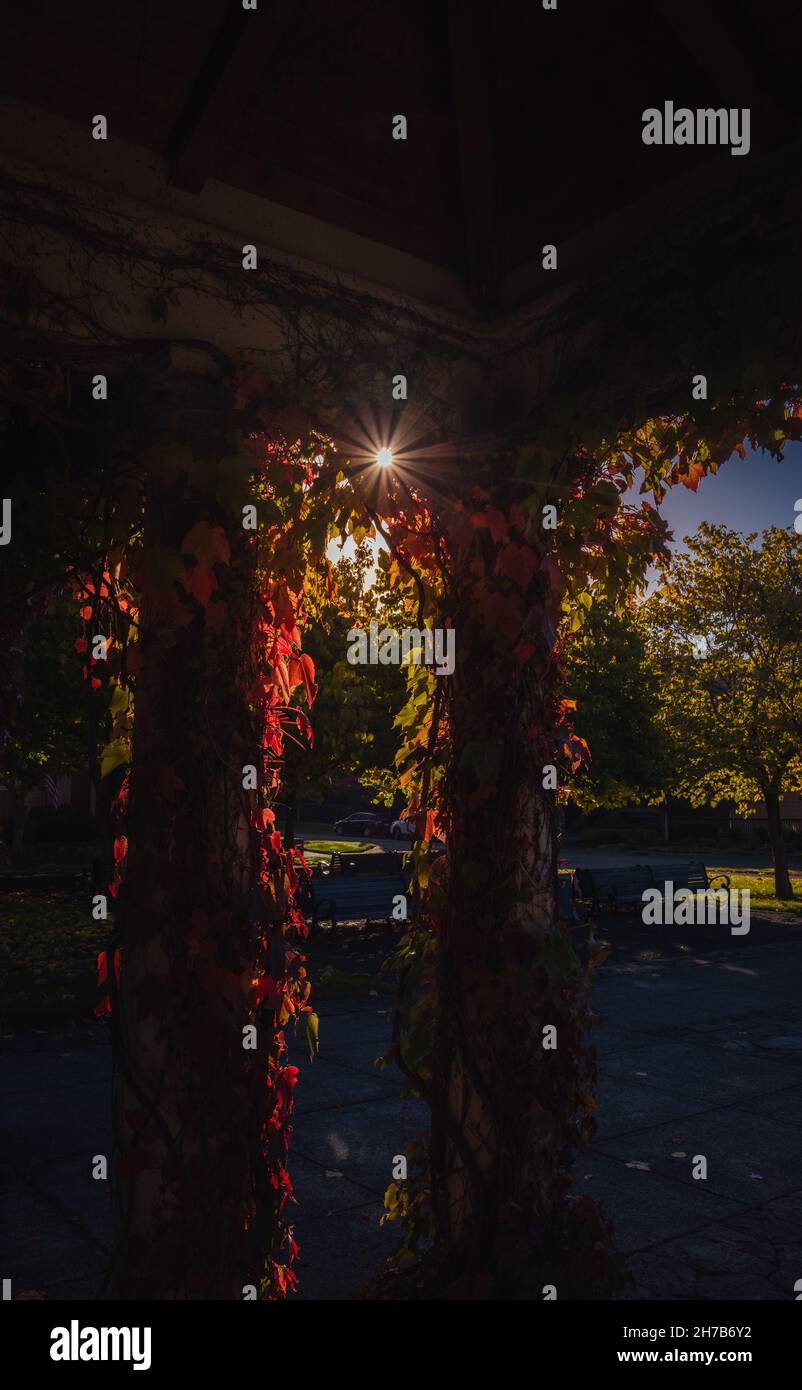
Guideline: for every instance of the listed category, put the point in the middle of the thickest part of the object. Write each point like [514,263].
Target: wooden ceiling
[524,125]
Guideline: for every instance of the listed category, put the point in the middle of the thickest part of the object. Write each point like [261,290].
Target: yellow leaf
[113,755]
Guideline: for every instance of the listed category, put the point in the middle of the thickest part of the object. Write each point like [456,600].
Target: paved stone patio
[701,1053]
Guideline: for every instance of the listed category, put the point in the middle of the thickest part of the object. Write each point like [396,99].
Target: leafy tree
[355,706]
[47,724]
[617,692]
[726,629]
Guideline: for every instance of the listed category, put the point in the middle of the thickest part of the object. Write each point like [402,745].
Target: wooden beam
[238,58]
[707,37]
[469,30]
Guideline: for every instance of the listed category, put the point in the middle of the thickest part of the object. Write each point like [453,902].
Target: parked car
[406,830]
[363,823]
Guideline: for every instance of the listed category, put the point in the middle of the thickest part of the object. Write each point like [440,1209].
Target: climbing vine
[486,967]
[232,952]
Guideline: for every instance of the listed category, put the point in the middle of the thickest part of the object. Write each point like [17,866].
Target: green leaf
[120,700]
[113,755]
[310,1025]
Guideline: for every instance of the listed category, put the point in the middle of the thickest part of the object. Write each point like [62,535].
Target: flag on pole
[51,786]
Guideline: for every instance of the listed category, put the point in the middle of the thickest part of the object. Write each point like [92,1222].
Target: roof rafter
[708,38]
[237,58]
[468,23]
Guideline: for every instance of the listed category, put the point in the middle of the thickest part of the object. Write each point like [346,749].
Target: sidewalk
[700,1055]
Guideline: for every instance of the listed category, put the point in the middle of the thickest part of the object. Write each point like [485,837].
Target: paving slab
[705,1049]
[41,1246]
[698,1074]
[321,1191]
[749,1159]
[64,1121]
[626,1107]
[784,1105]
[330,1084]
[69,1185]
[344,1030]
[646,1207]
[756,1255]
[339,1252]
[362,1141]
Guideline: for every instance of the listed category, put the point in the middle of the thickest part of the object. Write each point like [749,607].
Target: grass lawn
[49,945]
[329,982]
[760,883]
[320,847]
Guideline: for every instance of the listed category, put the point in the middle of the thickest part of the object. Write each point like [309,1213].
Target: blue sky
[746,494]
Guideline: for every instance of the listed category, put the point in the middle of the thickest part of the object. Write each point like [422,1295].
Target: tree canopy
[726,635]
[615,682]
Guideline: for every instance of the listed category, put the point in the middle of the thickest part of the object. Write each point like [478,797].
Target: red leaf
[498,524]
[693,477]
[201,582]
[518,563]
[280,679]
[301,671]
[249,384]
[266,991]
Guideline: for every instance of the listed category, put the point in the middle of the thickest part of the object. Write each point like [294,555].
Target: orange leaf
[201,582]
[209,544]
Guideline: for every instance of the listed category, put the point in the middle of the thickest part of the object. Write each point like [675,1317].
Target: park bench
[625,885]
[343,897]
[693,875]
[566,903]
[612,888]
[386,863]
[45,883]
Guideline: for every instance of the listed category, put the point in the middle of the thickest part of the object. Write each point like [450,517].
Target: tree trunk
[19,822]
[782,879]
